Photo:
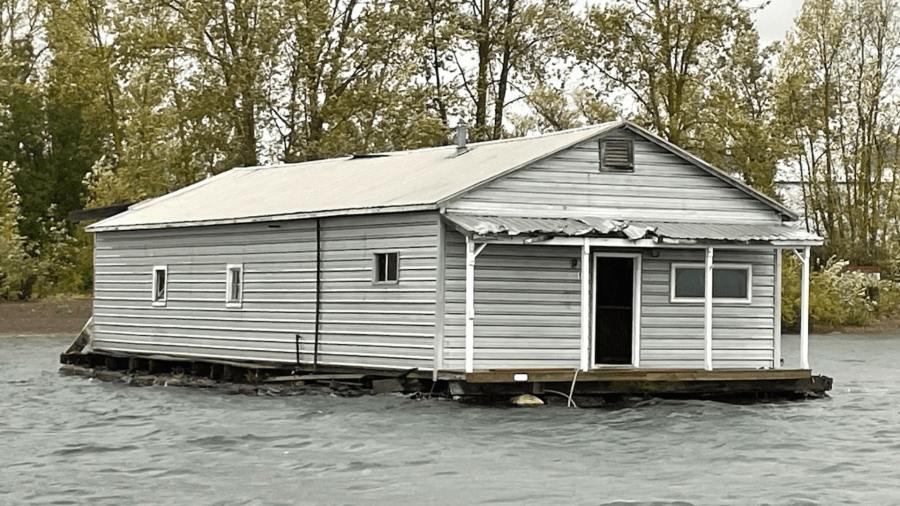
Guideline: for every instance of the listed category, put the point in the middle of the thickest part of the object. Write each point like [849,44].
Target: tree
[662,55]
[12,244]
[837,79]
[742,135]
[514,44]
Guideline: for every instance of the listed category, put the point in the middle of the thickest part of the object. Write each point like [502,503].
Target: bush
[58,265]
[837,297]
[14,269]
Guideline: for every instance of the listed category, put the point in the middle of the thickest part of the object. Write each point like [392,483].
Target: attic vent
[617,155]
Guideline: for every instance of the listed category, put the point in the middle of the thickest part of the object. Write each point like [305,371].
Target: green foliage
[107,101]
[837,297]
[61,264]
[13,260]
[835,93]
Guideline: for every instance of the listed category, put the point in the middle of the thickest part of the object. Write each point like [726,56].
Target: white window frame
[375,272]
[229,285]
[160,301]
[719,300]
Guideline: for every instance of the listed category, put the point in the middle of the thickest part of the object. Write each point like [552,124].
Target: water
[70,440]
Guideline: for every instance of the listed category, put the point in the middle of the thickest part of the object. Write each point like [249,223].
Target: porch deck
[687,382]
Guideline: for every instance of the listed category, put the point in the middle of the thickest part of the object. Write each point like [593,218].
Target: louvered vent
[617,155]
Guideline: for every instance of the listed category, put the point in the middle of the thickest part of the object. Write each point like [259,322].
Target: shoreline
[53,315]
[66,315]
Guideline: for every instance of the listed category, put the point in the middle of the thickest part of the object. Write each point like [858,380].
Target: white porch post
[471,253]
[708,303]
[776,351]
[804,310]
[585,305]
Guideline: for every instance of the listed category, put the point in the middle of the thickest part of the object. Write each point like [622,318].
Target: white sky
[774,21]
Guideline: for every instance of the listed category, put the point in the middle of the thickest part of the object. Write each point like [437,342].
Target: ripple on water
[66,440]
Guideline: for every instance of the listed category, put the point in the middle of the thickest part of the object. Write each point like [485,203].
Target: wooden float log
[315,377]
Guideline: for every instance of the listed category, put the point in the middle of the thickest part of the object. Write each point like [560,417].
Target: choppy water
[69,440]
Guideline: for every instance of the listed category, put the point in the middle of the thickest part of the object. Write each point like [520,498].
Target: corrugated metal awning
[566,227]
[666,233]
[740,233]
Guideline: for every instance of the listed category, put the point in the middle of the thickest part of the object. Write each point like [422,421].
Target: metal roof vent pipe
[461,136]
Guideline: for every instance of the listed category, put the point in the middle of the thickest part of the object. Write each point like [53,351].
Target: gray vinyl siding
[388,325]
[361,323]
[278,293]
[672,333]
[663,187]
[527,306]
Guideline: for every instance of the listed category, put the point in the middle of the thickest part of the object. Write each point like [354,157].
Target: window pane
[235,284]
[392,267]
[730,283]
[689,282]
[380,267]
[159,285]
[386,267]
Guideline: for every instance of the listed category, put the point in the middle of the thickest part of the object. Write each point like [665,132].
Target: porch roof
[777,234]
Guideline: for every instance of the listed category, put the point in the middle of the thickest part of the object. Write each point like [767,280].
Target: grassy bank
[52,315]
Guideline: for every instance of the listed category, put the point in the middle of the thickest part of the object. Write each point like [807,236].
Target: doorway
[616,297]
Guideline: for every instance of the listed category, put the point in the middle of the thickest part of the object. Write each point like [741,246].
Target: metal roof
[399,181]
[667,233]
[743,233]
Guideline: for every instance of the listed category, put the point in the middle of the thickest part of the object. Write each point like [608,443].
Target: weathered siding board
[527,306]
[672,333]
[361,323]
[663,187]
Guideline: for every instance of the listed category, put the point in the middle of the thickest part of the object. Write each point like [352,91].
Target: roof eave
[266,218]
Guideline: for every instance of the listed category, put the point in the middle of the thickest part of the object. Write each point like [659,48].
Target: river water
[71,440]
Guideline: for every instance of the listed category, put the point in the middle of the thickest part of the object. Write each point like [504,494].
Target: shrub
[13,258]
[837,297]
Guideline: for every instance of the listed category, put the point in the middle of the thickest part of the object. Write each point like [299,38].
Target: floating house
[604,255]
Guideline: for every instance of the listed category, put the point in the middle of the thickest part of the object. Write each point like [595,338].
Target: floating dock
[596,384]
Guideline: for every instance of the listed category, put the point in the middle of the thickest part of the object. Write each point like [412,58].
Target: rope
[572,390]
[561,394]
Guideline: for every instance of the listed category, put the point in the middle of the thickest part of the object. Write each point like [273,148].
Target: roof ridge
[470,146]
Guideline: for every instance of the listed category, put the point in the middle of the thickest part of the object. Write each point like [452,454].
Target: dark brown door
[614,310]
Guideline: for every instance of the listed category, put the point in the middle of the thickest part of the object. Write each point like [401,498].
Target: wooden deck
[675,382]
[630,374]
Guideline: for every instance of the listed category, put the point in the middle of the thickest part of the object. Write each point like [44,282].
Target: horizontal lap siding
[663,187]
[672,334]
[361,323]
[527,306]
[278,295]
[378,325]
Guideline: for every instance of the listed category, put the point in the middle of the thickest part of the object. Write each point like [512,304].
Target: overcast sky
[776,19]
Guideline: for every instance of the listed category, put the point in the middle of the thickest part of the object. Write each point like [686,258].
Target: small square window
[234,285]
[616,155]
[159,285]
[387,268]
[731,283]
